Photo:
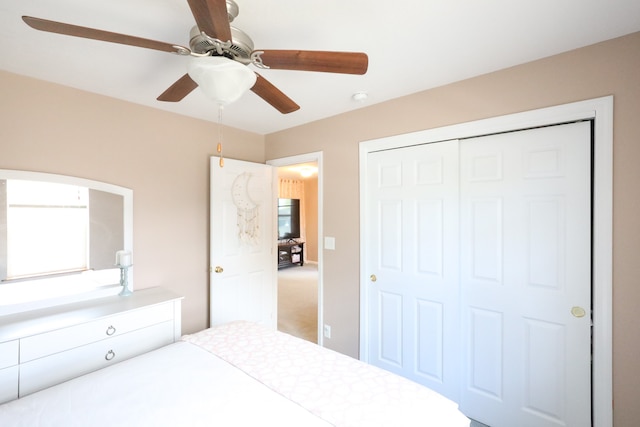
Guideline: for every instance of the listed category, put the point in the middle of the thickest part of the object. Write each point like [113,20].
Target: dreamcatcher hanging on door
[248,211]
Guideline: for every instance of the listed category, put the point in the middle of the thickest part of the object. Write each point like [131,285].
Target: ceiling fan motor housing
[241,44]
[239,50]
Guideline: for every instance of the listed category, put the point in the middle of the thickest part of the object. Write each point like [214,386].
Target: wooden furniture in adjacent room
[289,254]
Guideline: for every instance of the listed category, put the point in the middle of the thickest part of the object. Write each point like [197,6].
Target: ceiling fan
[214,37]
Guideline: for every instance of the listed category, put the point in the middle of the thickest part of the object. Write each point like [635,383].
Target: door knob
[218,269]
[373,278]
[578,311]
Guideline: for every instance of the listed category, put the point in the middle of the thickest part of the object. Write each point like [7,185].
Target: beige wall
[610,68]
[163,157]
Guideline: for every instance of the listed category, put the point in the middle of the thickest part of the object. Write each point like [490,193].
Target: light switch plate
[330,243]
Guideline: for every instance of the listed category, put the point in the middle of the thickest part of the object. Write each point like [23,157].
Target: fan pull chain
[219,148]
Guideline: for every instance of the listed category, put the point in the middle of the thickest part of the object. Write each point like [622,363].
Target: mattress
[237,374]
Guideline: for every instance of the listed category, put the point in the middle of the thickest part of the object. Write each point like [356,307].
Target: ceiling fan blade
[177,91]
[90,33]
[281,102]
[309,60]
[212,18]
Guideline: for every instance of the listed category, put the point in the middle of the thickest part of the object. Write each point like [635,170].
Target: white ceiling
[413,45]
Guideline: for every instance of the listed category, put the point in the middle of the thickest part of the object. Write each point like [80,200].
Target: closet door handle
[578,311]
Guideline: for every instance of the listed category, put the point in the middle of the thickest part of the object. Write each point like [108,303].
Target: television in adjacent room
[288,219]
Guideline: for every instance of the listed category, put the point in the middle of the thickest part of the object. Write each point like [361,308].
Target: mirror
[58,238]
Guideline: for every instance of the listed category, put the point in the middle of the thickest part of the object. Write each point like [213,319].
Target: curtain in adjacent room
[294,189]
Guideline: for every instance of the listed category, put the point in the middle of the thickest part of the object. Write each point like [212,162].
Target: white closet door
[412,226]
[525,274]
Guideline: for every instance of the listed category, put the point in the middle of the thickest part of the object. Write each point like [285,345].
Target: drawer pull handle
[111,330]
[110,355]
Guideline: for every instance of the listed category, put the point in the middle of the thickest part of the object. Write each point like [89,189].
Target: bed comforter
[237,374]
[337,388]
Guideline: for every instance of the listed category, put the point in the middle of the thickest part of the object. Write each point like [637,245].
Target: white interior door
[525,273]
[243,283]
[480,256]
[413,299]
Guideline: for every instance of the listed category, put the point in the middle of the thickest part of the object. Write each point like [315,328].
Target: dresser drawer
[47,371]
[48,343]
[8,384]
[8,354]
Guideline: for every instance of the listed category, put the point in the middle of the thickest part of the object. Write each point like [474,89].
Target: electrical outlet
[327,331]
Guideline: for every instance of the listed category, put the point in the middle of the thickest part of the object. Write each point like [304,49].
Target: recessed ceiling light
[360,96]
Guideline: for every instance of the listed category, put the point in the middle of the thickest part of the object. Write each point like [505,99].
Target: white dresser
[41,348]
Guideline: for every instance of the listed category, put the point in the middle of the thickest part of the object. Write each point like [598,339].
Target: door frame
[306,158]
[600,110]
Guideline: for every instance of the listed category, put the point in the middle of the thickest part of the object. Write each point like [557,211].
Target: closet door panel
[430,348]
[525,276]
[413,292]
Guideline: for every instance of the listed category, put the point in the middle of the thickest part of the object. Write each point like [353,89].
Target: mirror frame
[64,298]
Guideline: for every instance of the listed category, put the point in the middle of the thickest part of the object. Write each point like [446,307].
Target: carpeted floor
[298,301]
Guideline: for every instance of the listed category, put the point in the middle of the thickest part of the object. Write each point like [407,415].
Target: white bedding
[177,385]
[239,374]
[341,390]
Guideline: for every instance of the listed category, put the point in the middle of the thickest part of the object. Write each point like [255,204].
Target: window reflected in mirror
[47,228]
[59,236]
[50,227]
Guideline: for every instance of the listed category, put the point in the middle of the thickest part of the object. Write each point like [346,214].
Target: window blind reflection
[47,228]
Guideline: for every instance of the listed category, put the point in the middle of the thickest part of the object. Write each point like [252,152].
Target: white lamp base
[124,282]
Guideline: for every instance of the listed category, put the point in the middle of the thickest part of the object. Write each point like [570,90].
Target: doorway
[299,257]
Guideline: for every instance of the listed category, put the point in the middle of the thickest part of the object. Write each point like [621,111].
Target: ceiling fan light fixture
[222,79]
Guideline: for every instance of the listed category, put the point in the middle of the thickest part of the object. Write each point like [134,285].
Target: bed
[236,374]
